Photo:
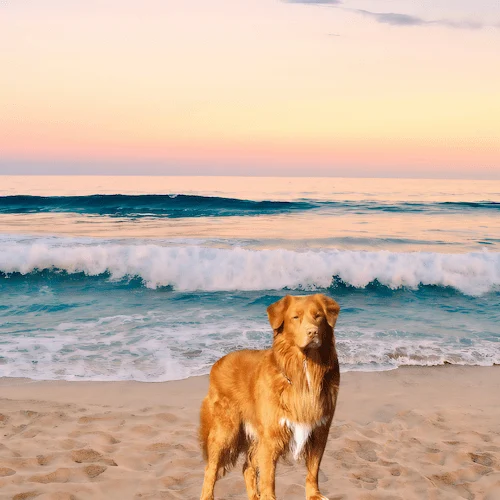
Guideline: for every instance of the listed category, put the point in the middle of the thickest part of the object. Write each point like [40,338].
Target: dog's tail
[204,428]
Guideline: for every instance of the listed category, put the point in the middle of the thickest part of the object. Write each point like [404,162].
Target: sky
[368,88]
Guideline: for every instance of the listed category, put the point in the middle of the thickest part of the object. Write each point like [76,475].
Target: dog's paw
[206,497]
[317,497]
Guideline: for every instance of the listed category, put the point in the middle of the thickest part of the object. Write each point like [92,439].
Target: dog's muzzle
[313,338]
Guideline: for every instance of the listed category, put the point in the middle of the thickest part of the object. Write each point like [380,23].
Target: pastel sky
[297,87]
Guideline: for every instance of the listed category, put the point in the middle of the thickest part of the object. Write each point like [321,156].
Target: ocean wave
[149,205]
[195,268]
[370,354]
[110,349]
[183,205]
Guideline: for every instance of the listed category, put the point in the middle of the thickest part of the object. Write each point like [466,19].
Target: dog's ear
[331,308]
[276,313]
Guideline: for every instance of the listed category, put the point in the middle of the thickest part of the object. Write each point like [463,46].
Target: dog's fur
[268,403]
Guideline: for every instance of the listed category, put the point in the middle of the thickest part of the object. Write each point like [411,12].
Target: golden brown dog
[268,403]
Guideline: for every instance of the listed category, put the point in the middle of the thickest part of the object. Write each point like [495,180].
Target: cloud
[393,18]
[396,19]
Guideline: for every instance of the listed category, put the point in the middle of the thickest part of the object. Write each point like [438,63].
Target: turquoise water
[155,278]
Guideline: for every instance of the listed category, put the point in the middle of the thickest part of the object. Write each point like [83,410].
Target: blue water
[179,205]
[105,281]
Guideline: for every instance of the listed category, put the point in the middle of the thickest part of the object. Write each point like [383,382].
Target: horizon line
[260,176]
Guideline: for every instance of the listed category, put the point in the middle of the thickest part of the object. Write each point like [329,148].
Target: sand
[413,433]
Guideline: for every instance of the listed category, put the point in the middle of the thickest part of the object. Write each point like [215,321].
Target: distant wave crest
[184,205]
[150,205]
[195,268]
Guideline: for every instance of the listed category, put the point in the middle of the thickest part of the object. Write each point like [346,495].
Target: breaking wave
[196,268]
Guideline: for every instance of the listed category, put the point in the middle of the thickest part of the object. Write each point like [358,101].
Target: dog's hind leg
[211,470]
[250,473]
[221,440]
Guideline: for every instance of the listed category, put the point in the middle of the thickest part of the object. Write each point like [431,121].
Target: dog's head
[305,321]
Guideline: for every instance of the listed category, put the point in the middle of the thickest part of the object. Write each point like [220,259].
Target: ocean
[154,278]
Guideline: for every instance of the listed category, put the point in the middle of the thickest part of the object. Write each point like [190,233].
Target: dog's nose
[312,332]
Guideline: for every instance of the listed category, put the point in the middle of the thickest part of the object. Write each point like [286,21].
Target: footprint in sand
[451,481]
[7,452]
[160,447]
[94,470]
[27,495]
[365,450]
[5,471]
[58,476]
[482,459]
[44,459]
[367,479]
[144,430]
[101,437]
[29,413]
[166,417]
[85,455]
[69,444]
[89,419]
[89,455]
[65,475]
[60,495]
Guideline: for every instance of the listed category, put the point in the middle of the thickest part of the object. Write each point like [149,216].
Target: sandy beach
[422,433]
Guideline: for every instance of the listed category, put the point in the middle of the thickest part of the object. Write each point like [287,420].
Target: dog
[267,404]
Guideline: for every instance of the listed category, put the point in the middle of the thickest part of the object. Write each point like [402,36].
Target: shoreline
[410,433]
[6,381]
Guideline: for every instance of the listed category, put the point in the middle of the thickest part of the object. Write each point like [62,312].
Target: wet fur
[264,404]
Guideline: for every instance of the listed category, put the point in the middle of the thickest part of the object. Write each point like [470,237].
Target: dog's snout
[312,332]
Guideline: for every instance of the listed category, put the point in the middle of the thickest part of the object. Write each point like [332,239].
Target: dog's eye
[318,316]
[295,317]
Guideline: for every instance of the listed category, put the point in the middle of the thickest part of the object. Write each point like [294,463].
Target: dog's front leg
[250,473]
[314,454]
[267,456]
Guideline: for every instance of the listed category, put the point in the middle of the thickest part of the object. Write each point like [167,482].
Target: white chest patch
[250,431]
[300,434]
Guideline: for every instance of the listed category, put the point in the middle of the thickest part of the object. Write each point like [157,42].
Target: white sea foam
[111,349]
[106,349]
[191,268]
[371,354]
